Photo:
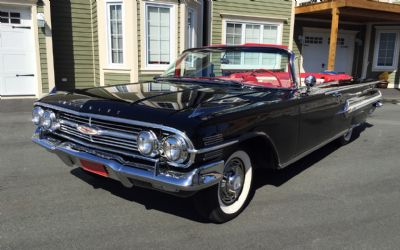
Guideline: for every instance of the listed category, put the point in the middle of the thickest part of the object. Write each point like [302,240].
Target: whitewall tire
[226,200]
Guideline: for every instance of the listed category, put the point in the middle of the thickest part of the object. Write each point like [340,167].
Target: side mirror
[310,81]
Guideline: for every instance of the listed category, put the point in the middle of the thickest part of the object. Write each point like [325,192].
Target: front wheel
[227,200]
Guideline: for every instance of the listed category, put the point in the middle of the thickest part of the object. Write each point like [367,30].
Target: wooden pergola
[348,10]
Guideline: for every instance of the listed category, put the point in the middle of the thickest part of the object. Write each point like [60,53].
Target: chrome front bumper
[175,182]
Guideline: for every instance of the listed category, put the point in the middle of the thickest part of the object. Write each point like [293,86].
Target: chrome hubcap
[231,184]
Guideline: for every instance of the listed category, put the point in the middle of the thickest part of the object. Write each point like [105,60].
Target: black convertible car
[202,127]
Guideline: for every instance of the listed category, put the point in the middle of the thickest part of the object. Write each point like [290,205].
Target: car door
[321,117]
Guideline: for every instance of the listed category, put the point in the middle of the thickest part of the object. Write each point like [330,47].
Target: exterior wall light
[41,21]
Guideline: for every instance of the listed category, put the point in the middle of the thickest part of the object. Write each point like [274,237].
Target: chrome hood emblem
[88,130]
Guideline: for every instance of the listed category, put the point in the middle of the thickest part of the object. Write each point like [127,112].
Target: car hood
[163,102]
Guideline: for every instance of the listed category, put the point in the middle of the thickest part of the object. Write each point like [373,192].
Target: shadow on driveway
[183,207]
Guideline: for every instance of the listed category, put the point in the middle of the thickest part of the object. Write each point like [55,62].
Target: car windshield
[254,66]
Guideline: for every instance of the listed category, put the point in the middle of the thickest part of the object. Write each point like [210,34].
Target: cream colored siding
[43,55]
[95,39]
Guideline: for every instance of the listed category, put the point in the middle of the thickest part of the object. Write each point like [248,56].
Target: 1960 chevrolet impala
[205,125]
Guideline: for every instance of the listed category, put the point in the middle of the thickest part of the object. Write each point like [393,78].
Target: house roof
[352,10]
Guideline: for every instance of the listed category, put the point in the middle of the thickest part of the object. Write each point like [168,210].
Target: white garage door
[17,52]
[316,51]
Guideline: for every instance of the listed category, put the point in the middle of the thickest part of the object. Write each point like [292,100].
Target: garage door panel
[316,50]
[18,85]
[15,40]
[16,64]
[17,53]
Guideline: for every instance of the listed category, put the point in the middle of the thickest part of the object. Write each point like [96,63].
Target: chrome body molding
[351,107]
[216,147]
[191,149]
[169,181]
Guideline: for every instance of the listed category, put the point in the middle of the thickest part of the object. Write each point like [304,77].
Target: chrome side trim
[349,108]
[342,88]
[220,146]
[298,157]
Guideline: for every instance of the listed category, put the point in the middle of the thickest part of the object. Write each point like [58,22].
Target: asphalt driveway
[346,197]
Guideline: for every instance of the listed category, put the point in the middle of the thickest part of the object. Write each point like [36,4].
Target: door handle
[22,27]
[31,75]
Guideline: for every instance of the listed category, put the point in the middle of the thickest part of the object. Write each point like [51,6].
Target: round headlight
[49,120]
[175,149]
[147,143]
[37,114]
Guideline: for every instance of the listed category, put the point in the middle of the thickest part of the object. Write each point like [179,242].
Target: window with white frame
[240,33]
[159,35]
[191,29]
[115,33]
[386,51]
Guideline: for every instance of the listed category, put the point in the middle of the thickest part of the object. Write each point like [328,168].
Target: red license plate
[93,167]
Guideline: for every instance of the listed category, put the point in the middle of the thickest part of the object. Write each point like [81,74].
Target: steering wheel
[254,72]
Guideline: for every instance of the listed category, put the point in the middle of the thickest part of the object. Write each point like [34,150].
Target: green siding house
[103,42]
[85,43]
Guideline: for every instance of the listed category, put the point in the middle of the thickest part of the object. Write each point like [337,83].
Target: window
[159,35]
[115,33]
[10,17]
[386,51]
[160,87]
[313,40]
[191,29]
[240,33]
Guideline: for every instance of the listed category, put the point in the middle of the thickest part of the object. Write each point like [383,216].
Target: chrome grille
[113,134]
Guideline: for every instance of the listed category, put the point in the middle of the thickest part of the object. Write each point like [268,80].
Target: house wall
[394,75]
[75,43]
[274,10]
[358,49]
[116,78]
[43,55]
[181,9]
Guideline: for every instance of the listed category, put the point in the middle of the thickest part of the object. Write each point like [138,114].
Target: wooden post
[334,35]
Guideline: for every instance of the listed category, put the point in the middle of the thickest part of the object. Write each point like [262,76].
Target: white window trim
[251,22]
[241,21]
[194,29]
[173,26]
[379,31]
[110,64]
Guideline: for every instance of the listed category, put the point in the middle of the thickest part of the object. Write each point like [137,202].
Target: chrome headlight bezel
[49,121]
[148,138]
[175,149]
[37,115]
